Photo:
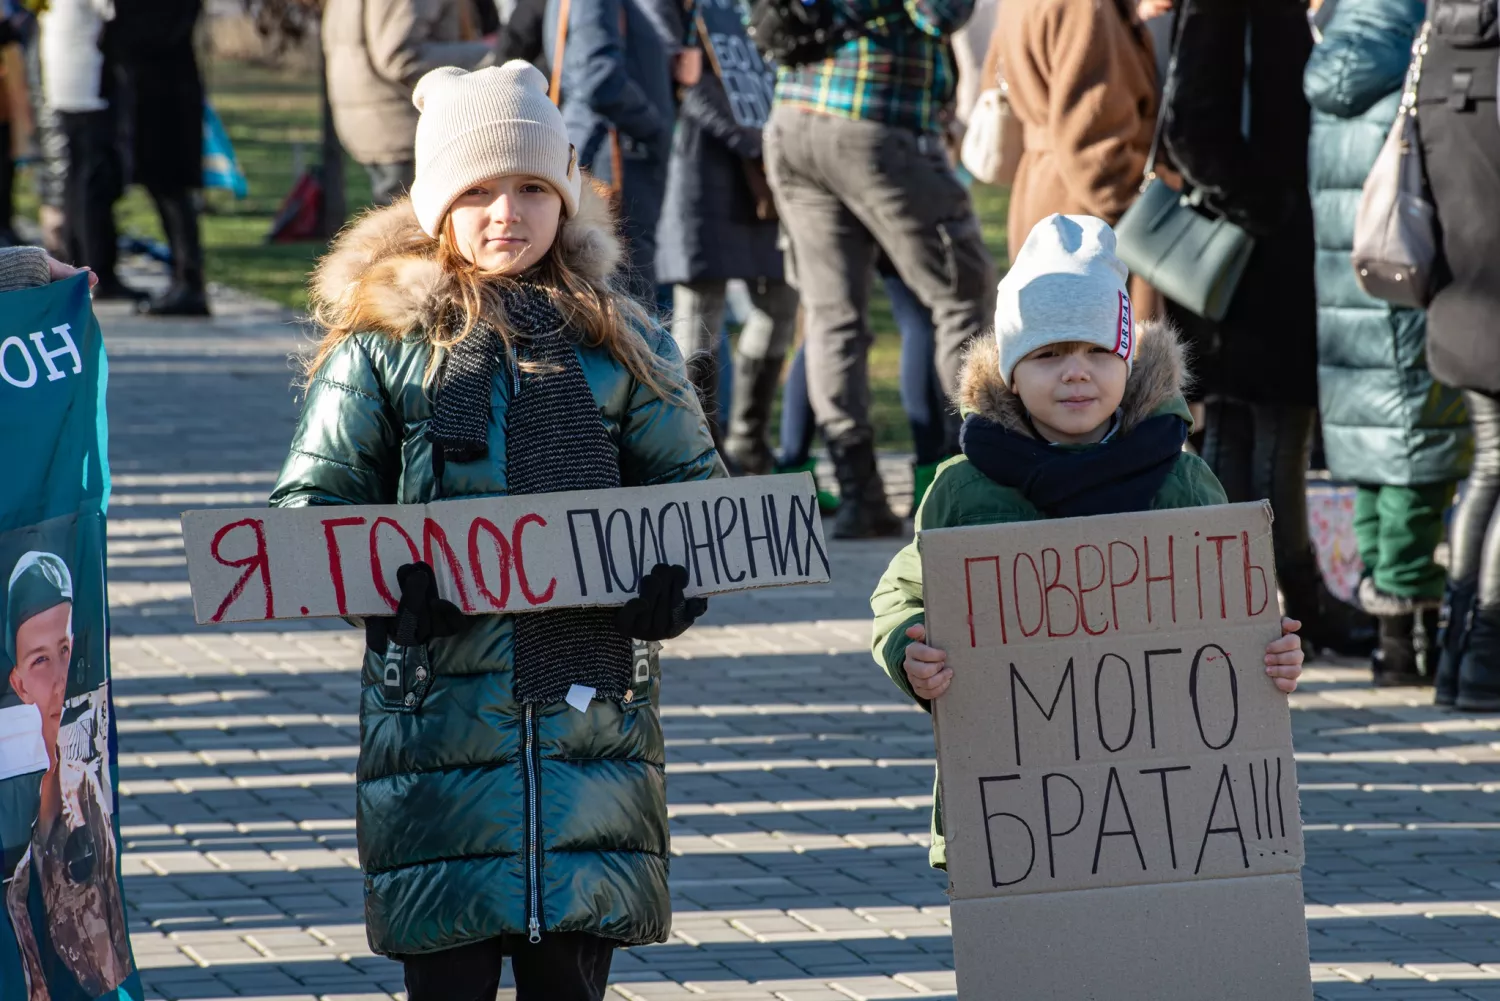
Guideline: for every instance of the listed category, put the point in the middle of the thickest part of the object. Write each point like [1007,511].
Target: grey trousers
[389,181]
[698,315]
[845,189]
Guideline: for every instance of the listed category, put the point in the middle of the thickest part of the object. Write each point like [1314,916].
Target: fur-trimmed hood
[386,265]
[1159,378]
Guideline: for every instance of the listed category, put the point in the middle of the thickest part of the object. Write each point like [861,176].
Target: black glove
[659,611]
[421,614]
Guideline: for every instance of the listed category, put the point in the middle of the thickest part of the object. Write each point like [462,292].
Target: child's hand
[1284,657]
[927,667]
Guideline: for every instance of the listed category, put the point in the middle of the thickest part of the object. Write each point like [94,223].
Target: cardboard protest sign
[1118,789]
[505,554]
[747,79]
[63,931]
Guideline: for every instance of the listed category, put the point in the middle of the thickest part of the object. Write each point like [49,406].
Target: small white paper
[579,697]
[22,749]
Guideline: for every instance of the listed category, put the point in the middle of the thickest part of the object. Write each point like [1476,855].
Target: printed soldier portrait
[63,898]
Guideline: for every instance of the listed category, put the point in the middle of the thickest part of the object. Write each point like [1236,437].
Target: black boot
[1453,638]
[1425,641]
[1479,671]
[863,510]
[1327,622]
[754,394]
[1395,664]
[186,296]
[703,373]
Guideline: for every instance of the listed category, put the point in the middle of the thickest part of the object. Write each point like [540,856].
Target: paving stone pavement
[800,780]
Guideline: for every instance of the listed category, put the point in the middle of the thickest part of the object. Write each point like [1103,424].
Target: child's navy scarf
[1117,476]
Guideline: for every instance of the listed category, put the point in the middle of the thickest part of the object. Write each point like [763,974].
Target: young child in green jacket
[1067,413]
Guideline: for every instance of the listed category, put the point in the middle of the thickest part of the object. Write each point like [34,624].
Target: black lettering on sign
[707,545]
[1110,785]
[1234,694]
[1166,803]
[723,531]
[682,525]
[1225,785]
[1099,702]
[1150,702]
[648,530]
[1053,835]
[1262,794]
[767,535]
[801,539]
[593,515]
[1280,807]
[633,559]
[985,783]
[1048,713]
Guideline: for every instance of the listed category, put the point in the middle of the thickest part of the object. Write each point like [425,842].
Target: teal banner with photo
[63,932]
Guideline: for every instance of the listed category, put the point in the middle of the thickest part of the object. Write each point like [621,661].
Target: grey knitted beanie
[488,123]
[1067,284]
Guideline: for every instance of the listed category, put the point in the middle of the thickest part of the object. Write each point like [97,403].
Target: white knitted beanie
[474,126]
[1066,285]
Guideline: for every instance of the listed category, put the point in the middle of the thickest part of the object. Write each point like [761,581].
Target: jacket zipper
[533,850]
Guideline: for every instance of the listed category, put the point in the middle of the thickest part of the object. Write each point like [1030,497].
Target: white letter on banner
[30,379]
[68,348]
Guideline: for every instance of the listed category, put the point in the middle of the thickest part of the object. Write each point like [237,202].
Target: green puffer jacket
[962,495]
[1386,422]
[476,816]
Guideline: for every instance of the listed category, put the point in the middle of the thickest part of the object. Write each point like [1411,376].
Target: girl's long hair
[599,313]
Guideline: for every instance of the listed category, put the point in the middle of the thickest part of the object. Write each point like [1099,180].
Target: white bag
[994,140]
[1395,230]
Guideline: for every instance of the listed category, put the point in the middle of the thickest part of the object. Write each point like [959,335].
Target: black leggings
[563,966]
[1475,536]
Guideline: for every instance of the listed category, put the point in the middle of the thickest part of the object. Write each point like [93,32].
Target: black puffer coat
[1265,350]
[1461,149]
[709,230]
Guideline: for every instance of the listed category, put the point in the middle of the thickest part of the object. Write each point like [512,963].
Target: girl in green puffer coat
[1069,412]
[476,346]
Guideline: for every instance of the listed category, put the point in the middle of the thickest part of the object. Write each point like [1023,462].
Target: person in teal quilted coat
[511,786]
[1070,410]
[1388,426]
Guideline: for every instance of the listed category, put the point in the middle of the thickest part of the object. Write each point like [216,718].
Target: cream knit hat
[488,123]
[1067,284]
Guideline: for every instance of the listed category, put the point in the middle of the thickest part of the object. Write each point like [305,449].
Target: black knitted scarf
[554,440]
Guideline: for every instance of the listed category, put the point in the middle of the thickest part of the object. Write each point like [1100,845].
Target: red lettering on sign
[1170,577]
[259,560]
[1265,589]
[520,559]
[1053,583]
[432,532]
[1218,541]
[999,595]
[1083,592]
[502,550]
[376,570]
[335,558]
[1015,594]
[1115,583]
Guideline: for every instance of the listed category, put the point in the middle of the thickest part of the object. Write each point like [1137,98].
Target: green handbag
[1172,241]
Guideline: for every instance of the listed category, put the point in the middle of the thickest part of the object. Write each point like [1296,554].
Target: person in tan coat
[1082,80]
[374,52]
